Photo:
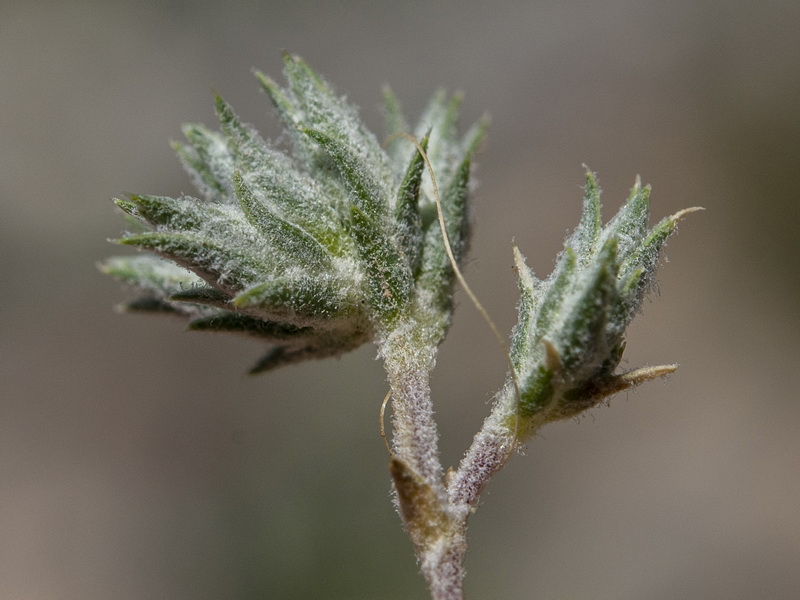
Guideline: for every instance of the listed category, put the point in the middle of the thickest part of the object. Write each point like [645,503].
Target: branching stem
[435,515]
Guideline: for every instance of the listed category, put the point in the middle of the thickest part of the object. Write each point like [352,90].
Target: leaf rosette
[317,250]
[570,334]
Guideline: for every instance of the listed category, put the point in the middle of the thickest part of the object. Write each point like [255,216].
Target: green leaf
[445,152]
[475,136]
[320,348]
[522,336]
[581,328]
[585,238]
[644,256]
[228,322]
[208,162]
[440,116]
[177,214]
[388,284]
[281,356]
[128,207]
[629,225]
[397,147]
[436,275]
[407,215]
[303,301]
[202,177]
[293,118]
[287,111]
[202,294]
[149,273]
[454,208]
[274,181]
[366,190]
[223,225]
[298,245]
[536,392]
[221,267]
[559,284]
[249,150]
[631,287]
[324,111]
[150,305]
[454,191]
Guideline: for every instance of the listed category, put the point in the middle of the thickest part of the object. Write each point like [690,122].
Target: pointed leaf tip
[686,211]
[630,379]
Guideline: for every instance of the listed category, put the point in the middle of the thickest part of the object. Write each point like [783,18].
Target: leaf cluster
[316,250]
[569,338]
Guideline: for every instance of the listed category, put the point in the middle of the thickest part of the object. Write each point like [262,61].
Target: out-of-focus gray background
[138,461]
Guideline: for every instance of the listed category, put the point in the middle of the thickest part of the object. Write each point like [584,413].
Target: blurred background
[139,461]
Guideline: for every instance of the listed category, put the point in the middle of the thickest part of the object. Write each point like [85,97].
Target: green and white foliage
[317,251]
[569,338]
[343,241]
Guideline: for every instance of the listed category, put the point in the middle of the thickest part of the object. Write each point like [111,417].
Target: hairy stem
[443,567]
[437,532]
[415,439]
[490,450]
